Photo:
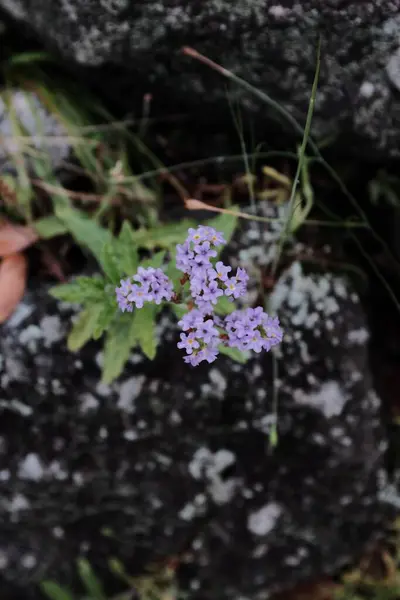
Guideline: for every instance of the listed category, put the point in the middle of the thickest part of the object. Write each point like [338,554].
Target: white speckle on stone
[218,380]
[28,561]
[329,399]
[188,512]
[19,407]
[367,89]
[358,336]
[88,402]
[4,475]
[129,391]
[262,521]
[130,435]
[199,461]
[136,358]
[23,311]
[278,11]
[17,503]
[57,471]
[103,433]
[31,468]
[222,491]
[30,336]
[58,532]
[99,359]
[52,331]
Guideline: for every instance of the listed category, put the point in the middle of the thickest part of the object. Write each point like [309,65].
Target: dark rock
[176,462]
[132,48]
[27,128]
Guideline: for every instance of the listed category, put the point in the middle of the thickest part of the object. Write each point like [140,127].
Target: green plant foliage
[119,257]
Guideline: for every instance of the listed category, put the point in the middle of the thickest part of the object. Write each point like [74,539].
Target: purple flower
[242,275]
[139,295]
[208,353]
[144,276]
[188,342]
[219,272]
[252,329]
[207,331]
[234,287]
[197,235]
[184,257]
[204,306]
[212,292]
[192,359]
[203,253]
[193,319]
[155,287]
[198,281]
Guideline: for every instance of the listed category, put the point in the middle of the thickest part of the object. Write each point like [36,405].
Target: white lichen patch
[330,399]
[31,468]
[128,393]
[262,521]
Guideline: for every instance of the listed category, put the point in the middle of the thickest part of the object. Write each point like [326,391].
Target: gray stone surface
[271,43]
[175,461]
[29,130]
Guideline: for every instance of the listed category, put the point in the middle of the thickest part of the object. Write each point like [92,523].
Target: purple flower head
[234,287]
[144,276]
[252,329]
[184,257]
[212,292]
[203,253]
[122,293]
[193,319]
[198,280]
[188,342]
[207,331]
[192,359]
[204,306]
[139,295]
[242,275]
[220,271]
[208,353]
[197,236]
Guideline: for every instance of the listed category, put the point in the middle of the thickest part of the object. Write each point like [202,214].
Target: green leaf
[234,354]
[127,251]
[81,290]
[155,261]
[179,310]
[27,58]
[90,581]
[143,329]
[224,306]
[105,317]
[85,230]
[54,591]
[84,327]
[119,341]
[109,262]
[49,227]
[164,236]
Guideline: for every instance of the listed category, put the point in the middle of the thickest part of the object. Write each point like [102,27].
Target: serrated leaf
[105,317]
[54,591]
[109,262]
[49,227]
[143,329]
[127,250]
[234,354]
[85,230]
[155,261]
[81,290]
[90,580]
[83,328]
[119,341]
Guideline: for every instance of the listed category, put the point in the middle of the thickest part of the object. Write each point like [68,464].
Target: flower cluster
[207,281]
[154,286]
[202,332]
